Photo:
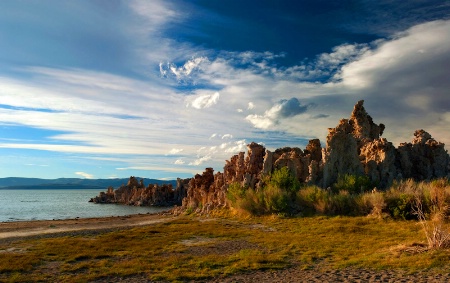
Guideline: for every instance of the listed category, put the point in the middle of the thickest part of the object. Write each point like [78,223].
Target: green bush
[235,193]
[313,199]
[343,203]
[354,184]
[253,202]
[276,196]
[276,200]
[284,180]
[399,204]
[281,193]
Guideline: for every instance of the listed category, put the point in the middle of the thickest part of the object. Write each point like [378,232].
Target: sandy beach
[20,229]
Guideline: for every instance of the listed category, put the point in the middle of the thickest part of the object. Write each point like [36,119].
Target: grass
[160,252]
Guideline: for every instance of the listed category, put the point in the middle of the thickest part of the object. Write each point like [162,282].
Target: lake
[21,205]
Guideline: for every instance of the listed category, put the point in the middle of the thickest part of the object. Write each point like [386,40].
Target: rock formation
[135,193]
[422,159]
[354,146]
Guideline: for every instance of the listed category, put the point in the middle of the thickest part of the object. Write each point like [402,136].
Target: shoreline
[27,228]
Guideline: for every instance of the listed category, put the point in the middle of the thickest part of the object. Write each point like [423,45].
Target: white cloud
[250,106]
[227,136]
[201,149]
[185,71]
[179,162]
[205,101]
[282,109]
[260,121]
[407,51]
[85,175]
[200,160]
[175,150]
[238,146]
[340,55]
[155,13]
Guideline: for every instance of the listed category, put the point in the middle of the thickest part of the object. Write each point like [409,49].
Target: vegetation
[195,248]
[276,196]
[428,202]
[350,196]
[353,184]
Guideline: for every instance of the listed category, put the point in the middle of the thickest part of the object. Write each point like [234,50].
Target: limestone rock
[424,158]
[135,193]
[378,158]
[341,153]
[363,127]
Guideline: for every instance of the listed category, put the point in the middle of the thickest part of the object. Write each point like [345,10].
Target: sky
[162,89]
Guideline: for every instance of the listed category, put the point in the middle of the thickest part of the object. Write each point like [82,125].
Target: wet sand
[10,230]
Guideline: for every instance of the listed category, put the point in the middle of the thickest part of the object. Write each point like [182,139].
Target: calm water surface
[19,205]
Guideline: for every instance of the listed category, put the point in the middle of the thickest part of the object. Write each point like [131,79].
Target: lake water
[20,205]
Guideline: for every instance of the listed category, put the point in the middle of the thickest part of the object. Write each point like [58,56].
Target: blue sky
[163,89]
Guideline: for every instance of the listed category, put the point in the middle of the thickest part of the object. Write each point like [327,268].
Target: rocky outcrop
[354,146]
[135,193]
[208,191]
[378,158]
[422,159]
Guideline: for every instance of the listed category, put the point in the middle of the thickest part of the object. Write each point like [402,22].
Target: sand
[10,230]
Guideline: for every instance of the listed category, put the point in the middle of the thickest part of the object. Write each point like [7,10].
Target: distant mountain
[70,183]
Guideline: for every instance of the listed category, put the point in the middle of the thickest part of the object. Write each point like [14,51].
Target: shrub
[235,193]
[276,200]
[284,180]
[400,205]
[252,202]
[343,203]
[354,184]
[313,199]
[276,196]
[434,222]
[373,204]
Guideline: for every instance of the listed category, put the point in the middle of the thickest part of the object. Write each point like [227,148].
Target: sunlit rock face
[354,146]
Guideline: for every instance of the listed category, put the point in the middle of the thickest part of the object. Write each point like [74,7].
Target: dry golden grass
[191,247]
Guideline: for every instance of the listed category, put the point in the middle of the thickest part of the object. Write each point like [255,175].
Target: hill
[19,183]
